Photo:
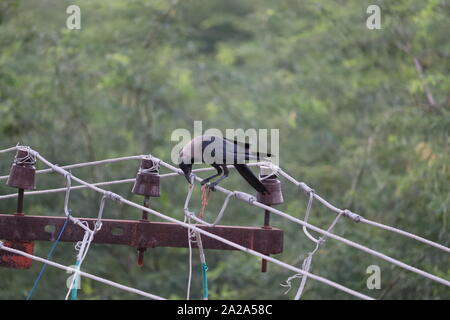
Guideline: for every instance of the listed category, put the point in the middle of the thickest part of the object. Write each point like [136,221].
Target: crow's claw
[211,186]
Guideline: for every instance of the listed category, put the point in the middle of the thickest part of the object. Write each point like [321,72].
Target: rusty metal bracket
[10,260]
[138,234]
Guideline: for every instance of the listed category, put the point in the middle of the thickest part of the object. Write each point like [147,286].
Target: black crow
[218,152]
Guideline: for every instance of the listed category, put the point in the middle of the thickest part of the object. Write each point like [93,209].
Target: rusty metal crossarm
[139,234]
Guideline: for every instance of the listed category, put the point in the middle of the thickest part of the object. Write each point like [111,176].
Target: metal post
[274,197]
[141,251]
[20,200]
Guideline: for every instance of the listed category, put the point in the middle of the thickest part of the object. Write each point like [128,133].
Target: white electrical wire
[255,203]
[199,230]
[84,274]
[98,184]
[9,149]
[252,200]
[361,219]
[84,164]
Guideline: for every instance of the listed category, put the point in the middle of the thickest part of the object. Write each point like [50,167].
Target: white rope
[211,235]
[82,164]
[84,274]
[274,170]
[306,267]
[191,215]
[247,250]
[188,290]
[78,187]
[191,235]
[9,149]
[198,239]
[98,184]
[357,246]
[308,210]
[222,210]
[83,246]
[308,260]
[252,200]
[187,213]
[405,233]
[76,221]
[255,203]
[319,242]
[358,218]
[29,158]
[155,165]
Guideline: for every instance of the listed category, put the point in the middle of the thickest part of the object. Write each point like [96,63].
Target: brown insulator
[147,179]
[273,185]
[23,171]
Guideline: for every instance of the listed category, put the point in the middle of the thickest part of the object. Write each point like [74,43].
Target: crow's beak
[187,170]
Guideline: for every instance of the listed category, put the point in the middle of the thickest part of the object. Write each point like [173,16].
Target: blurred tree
[363,118]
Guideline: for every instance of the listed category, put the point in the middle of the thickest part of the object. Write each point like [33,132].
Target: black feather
[262,155]
[248,175]
[246,145]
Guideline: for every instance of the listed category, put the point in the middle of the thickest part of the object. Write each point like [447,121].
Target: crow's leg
[219,172]
[225,174]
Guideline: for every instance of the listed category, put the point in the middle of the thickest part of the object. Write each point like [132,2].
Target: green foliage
[351,105]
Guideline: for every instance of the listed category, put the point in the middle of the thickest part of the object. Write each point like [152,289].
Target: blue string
[49,255]
[205,281]
[74,292]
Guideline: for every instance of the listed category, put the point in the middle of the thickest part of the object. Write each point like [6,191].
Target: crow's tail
[248,175]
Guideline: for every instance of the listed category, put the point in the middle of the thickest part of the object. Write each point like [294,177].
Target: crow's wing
[244,145]
[241,150]
[221,150]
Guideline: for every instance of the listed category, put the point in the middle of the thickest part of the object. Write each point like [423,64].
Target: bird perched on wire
[219,152]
